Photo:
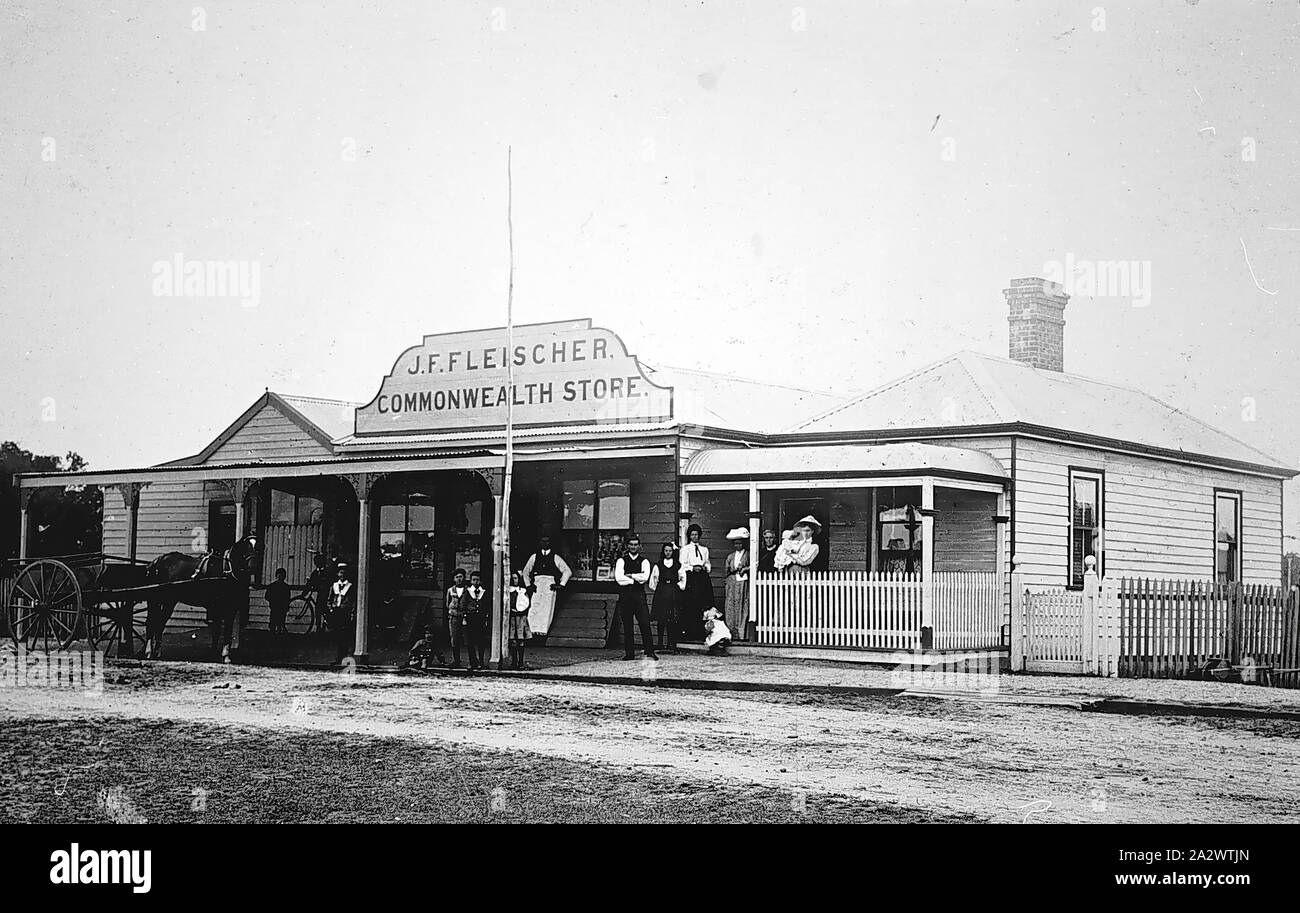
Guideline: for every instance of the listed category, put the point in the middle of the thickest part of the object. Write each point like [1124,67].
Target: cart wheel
[298,619]
[119,624]
[44,606]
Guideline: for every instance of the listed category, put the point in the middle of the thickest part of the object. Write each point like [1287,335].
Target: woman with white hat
[736,606]
[798,551]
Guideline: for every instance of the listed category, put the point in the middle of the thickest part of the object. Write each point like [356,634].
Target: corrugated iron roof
[333,416]
[800,462]
[739,403]
[970,388]
[325,462]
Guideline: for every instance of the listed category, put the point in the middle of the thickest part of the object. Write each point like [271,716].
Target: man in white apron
[546,573]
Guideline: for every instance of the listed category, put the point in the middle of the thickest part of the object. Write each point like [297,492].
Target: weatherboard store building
[924,488]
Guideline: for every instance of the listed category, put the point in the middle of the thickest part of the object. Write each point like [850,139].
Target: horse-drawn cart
[101,600]
[105,601]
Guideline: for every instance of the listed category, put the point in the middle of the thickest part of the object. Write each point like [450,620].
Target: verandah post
[239,489]
[361,639]
[1017,616]
[927,564]
[755,515]
[500,579]
[25,530]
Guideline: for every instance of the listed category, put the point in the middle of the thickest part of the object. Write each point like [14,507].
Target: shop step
[582,620]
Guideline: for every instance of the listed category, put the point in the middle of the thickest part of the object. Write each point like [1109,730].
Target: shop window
[1086,512]
[467,538]
[282,506]
[597,514]
[287,509]
[899,531]
[406,538]
[311,511]
[1227,536]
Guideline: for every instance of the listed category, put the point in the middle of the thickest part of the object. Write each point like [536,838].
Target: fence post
[1088,621]
[1107,627]
[1235,609]
[1017,616]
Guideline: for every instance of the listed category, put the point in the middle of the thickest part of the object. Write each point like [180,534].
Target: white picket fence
[1072,632]
[877,610]
[967,610]
[1053,630]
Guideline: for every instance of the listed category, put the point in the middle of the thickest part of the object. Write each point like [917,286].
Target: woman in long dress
[797,550]
[736,606]
[699,587]
[667,582]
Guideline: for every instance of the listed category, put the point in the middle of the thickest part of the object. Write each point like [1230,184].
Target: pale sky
[758,188]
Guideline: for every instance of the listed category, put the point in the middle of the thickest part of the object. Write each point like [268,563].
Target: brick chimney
[1037,322]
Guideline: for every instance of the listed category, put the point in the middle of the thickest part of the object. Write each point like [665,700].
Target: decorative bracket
[496,480]
[237,489]
[363,482]
[130,492]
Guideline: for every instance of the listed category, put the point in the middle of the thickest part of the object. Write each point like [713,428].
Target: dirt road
[999,762]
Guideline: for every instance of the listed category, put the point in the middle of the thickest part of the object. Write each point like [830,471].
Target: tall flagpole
[503,560]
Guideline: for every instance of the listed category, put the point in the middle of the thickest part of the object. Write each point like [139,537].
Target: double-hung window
[1087,513]
[1227,536]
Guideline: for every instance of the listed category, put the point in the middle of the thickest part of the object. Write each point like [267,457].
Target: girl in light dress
[717,636]
[517,630]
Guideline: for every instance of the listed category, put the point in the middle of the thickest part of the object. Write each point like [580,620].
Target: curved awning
[839,460]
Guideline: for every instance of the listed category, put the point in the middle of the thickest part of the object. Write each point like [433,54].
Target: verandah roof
[844,459]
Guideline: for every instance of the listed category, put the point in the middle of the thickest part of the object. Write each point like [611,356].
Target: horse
[217,583]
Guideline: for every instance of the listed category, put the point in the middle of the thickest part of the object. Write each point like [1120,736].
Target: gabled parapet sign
[565,372]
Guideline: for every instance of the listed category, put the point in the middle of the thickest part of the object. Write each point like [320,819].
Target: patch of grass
[55,771]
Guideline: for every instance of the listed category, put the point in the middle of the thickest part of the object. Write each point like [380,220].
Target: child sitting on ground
[423,652]
[717,636]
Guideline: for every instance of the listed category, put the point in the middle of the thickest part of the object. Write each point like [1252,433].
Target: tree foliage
[64,520]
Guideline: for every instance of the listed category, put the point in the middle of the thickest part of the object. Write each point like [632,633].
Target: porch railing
[840,609]
[878,610]
[968,610]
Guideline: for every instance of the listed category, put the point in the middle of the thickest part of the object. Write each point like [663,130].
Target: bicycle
[303,616]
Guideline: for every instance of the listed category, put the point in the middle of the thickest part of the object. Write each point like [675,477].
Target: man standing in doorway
[478,620]
[545,573]
[631,572]
[454,607]
[342,611]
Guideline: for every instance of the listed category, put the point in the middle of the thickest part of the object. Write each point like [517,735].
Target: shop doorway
[525,526]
